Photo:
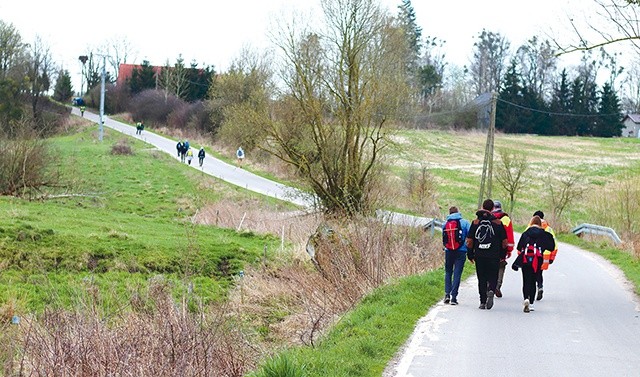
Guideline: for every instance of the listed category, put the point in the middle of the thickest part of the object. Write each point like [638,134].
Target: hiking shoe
[490,300]
[482,306]
[498,292]
[539,296]
[447,299]
[454,301]
[527,306]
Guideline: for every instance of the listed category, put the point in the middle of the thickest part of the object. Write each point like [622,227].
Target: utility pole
[487,168]
[104,73]
[83,59]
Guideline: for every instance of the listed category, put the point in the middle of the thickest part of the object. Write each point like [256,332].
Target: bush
[122,147]
[24,166]
[154,106]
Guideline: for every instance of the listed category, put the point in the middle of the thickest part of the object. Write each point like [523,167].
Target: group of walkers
[185,152]
[488,242]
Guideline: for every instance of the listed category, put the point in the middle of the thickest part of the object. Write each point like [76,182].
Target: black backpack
[452,235]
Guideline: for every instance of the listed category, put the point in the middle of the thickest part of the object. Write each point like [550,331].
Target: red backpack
[452,235]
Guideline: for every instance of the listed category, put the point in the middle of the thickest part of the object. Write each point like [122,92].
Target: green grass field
[128,222]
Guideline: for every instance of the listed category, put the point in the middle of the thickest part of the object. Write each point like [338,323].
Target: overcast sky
[213,32]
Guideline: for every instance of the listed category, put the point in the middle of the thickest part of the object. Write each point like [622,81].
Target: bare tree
[40,71]
[12,49]
[173,79]
[562,190]
[538,61]
[118,51]
[343,86]
[511,173]
[489,62]
[622,18]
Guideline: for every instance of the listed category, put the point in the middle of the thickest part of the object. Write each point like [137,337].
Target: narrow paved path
[587,324]
[212,165]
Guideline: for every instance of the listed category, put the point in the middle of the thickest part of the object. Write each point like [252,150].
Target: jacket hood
[485,215]
[535,231]
[454,216]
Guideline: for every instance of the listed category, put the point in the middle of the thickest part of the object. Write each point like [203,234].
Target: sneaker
[539,296]
[527,306]
[454,301]
[531,308]
[447,299]
[498,292]
[482,306]
[490,300]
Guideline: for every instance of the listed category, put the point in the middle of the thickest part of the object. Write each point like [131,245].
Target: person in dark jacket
[533,242]
[454,259]
[201,155]
[486,244]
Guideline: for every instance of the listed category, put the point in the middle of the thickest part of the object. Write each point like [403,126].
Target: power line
[554,113]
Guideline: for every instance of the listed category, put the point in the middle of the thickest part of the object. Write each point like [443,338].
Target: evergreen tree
[561,104]
[509,98]
[142,78]
[609,122]
[413,33]
[200,79]
[63,90]
[584,101]
[534,115]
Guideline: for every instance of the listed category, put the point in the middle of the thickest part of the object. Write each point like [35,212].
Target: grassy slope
[134,224]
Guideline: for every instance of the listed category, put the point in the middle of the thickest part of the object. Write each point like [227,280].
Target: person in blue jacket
[454,234]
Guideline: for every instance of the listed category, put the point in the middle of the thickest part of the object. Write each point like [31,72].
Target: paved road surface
[586,325]
[212,165]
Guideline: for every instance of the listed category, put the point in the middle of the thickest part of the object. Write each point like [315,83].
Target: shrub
[154,106]
[25,165]
[122,147]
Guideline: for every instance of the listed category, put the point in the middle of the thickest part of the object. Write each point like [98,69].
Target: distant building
[126,70]
[631,124]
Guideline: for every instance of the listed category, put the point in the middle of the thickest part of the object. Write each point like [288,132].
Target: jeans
[453,266]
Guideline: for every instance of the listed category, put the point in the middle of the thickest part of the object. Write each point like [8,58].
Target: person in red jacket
[508,227]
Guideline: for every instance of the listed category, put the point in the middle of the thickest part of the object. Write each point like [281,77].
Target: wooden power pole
[487,168]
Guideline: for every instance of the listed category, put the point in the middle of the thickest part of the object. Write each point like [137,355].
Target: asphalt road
[212,166]
[586,325]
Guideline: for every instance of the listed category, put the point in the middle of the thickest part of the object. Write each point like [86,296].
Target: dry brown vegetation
[284,301]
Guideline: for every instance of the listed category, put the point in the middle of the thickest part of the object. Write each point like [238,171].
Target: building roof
[635,118]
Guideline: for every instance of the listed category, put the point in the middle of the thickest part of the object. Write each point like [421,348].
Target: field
[119,224]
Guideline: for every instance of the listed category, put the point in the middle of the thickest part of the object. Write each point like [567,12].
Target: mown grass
[129,219]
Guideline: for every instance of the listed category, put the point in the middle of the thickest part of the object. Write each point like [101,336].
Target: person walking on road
[454,234]
[508,227]
[486,245]
[82,109]
[531,246]
[201,155]
[139,128]
[240,156]
[189,155]
[552,256]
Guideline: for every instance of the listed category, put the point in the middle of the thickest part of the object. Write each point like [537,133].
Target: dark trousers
[539,278]
[487,272]
[453,266]
[528,283]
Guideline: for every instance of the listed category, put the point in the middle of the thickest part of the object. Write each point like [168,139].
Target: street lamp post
[102,90]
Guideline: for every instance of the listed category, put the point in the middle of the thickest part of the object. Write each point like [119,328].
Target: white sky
[213,32]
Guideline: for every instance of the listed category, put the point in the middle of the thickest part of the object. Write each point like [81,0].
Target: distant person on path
[181,150]
[552,256]
[201,156]
[82,109]
[139,128]
[533,243]
[186,146]
[486,245]
[454,234]
[508,227]
[189,155]
[240,156]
